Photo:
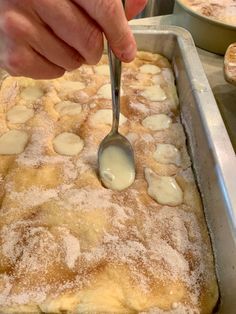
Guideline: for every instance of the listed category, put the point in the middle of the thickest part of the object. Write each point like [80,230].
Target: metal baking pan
[154,8]
[213,157]
[209,34]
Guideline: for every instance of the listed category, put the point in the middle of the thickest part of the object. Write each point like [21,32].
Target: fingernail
[130,53]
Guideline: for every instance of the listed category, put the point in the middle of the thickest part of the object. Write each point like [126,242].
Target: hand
[44,38]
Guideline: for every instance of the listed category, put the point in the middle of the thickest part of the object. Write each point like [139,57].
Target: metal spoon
[115,156]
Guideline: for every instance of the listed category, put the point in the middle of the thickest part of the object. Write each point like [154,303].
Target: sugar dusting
[139,107]
[223,11]
[160,251]
[35,152]
[90,228]
[34,196]
[71,247]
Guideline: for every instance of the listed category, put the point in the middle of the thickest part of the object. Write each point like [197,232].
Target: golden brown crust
[69,245]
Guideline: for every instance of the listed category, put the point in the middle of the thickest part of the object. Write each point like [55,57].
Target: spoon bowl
[116,162]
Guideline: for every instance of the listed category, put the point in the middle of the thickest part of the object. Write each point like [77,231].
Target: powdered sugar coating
[68,243]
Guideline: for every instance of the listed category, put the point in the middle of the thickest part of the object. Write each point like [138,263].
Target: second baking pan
[213,157]
[207,33]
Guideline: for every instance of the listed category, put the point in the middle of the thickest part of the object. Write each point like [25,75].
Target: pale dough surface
[67,244]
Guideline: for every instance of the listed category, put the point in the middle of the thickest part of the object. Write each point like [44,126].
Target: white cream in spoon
[116,168]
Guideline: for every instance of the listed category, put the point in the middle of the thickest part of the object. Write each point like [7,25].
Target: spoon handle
[115,73]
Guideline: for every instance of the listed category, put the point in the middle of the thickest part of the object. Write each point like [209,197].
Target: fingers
[41,40]
[55,50]
[73,26]
[44,38]
[20,60]
[134,7]
[110,16]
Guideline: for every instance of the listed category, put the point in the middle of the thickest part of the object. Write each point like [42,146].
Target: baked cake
[230,64]
[69,245]
[220,10]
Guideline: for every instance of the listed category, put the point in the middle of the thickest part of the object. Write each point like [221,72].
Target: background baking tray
[154,7]
[209,34]
[213,157]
